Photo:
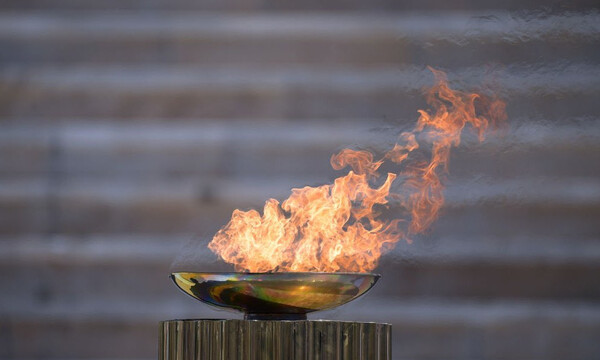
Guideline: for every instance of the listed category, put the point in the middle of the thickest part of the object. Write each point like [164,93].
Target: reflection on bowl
[275,295]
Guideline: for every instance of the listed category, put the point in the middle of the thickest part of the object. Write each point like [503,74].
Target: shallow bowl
[289,295]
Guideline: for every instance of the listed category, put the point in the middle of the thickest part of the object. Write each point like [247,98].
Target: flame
[339,227]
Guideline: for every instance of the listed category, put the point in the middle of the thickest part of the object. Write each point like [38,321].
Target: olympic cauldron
[275,306]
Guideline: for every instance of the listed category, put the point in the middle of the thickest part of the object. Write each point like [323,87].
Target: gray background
[130,129]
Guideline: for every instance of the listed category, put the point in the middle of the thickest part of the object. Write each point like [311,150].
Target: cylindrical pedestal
[273,340]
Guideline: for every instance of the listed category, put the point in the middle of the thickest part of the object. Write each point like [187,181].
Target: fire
[339,227]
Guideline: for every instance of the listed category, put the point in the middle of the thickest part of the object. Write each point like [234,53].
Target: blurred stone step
[92,275]
[189,251]
[448,40]
[534,206]
[26,153]
[211,150]
[549,91]
[286,5]
[489,280]
[202,149]
[422,330]
[65,338]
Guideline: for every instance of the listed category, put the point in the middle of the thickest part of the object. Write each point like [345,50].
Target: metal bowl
[275,295]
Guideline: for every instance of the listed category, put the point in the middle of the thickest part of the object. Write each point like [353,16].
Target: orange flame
[339,227]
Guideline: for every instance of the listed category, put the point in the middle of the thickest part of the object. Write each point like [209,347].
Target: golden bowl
[289,295]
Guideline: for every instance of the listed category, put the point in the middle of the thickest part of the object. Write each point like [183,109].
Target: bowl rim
[278,273]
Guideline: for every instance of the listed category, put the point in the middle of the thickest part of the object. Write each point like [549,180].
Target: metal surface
[273,340]
[266,296]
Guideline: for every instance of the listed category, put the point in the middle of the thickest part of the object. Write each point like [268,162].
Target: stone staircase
[129,131]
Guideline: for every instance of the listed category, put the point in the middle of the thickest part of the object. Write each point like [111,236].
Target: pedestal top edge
[318,321]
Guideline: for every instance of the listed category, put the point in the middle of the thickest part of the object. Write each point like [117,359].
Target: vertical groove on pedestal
[273,340]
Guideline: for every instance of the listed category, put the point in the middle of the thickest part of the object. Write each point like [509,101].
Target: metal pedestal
[273,339]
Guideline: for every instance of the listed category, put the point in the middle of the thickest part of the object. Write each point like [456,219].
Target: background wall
[129,127]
